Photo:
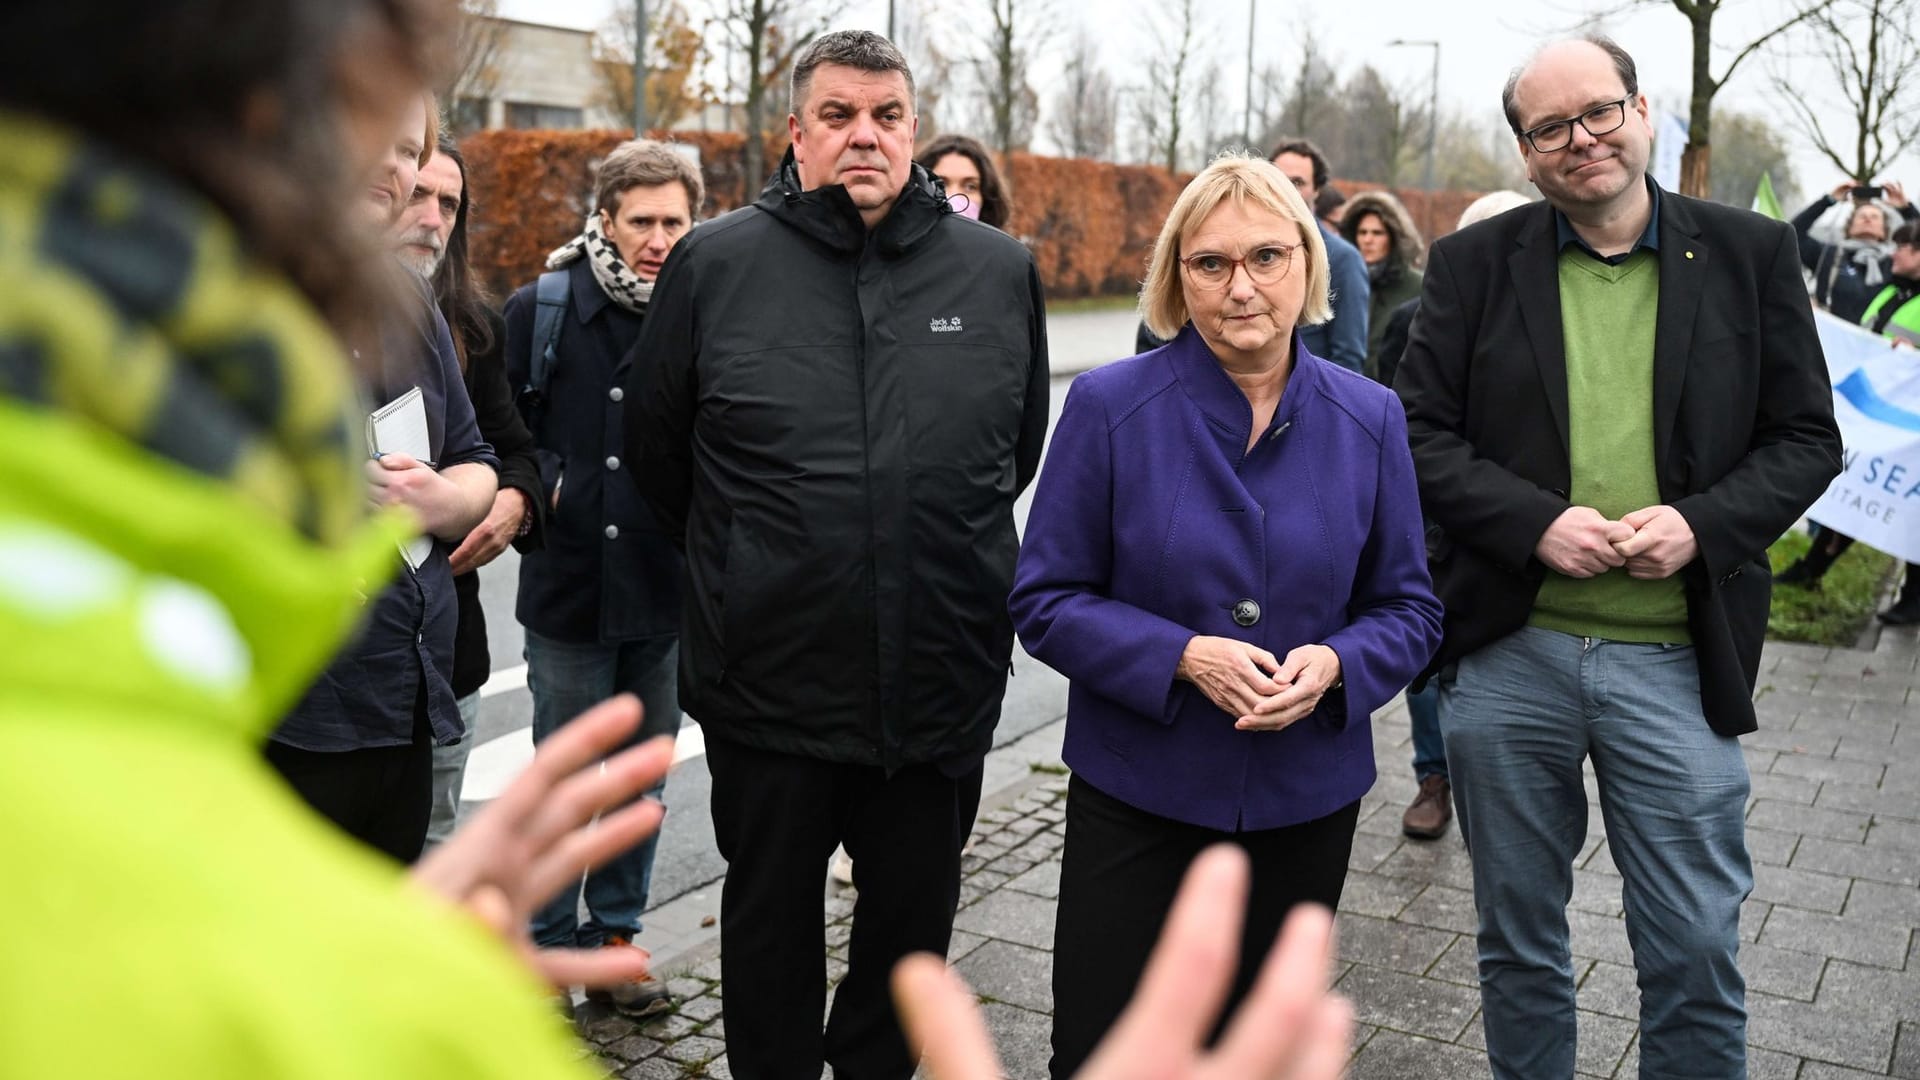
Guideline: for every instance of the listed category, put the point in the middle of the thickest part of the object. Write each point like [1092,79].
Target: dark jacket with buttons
[1154,523]
[604,571]
[839,421]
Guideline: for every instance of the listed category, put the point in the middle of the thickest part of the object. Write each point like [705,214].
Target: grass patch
[1836,612]
[1050,768]
[1092,303]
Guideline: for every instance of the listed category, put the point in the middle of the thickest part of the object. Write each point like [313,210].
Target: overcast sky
[1475,56]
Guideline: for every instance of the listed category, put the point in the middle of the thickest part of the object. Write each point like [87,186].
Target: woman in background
[973,183]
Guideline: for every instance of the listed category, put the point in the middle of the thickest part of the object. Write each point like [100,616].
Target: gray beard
[424,265]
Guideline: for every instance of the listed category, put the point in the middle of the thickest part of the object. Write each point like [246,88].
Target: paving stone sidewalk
[1830,950]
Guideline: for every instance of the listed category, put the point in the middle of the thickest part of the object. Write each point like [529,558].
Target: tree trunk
[1695,159]
[1695,171]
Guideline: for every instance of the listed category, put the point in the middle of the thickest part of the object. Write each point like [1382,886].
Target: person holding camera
[1849,274]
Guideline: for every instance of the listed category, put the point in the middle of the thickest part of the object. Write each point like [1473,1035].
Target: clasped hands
[1652,544]
[1263,693]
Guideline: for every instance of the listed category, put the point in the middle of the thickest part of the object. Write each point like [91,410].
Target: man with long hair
[431,235]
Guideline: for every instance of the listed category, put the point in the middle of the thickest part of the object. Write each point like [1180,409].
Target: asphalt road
[686,859]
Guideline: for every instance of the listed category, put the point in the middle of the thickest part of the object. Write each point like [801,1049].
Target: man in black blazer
[1616,401]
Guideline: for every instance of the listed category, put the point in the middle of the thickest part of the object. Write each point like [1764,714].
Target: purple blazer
[1151,524]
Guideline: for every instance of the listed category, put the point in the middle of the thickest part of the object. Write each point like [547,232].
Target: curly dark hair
[996,202]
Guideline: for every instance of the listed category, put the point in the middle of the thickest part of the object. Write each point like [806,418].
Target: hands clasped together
[1652,544]
[1263,693]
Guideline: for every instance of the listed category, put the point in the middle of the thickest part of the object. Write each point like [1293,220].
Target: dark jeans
[776,818]
[1120,870]
[567,679]
[1429,749]
[379,796]
[1523,715]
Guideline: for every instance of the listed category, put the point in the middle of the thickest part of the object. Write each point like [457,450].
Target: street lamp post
[1433,121]
[639,69]
[1248,125]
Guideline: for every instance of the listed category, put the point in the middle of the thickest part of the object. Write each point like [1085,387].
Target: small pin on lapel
[1689,254]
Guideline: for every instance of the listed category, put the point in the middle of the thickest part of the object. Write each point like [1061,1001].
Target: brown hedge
[1090,224]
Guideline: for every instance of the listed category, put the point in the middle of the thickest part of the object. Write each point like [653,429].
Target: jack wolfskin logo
[945,326]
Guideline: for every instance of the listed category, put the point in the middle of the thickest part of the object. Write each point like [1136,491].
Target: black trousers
[776,818]
[381,796]
[1120,870]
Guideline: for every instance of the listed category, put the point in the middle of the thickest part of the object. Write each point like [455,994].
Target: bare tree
[1270,87]
[1476,155]
[1696,161]
[1382,125]
[1219,118]
[933,68]
[1015,30]
[771,34]
[676,54]
[1747,147]
[1087,110]
[1870,50]
[1170,81]
[1311,108]
[479,35]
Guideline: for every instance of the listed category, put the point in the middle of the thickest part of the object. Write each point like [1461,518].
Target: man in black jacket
[838,394]
[600,600]
[1616,401]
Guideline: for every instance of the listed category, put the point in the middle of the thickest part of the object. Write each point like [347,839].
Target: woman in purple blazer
[1225,557]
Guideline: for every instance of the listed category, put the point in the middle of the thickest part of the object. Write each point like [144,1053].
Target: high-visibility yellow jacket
[180,551]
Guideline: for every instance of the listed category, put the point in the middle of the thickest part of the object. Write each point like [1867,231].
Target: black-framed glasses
[1265,264]
[1556,134]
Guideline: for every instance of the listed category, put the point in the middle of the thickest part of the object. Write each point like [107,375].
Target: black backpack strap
[549,318]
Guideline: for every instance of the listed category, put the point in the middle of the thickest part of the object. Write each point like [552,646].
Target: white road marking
[504,681]
[494,763]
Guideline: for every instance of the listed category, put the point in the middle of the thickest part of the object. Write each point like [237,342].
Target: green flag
[1765,201]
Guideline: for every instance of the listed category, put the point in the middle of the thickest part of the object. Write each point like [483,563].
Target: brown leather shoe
[1432,809]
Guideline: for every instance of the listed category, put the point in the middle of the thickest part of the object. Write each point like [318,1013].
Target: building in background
[517,74]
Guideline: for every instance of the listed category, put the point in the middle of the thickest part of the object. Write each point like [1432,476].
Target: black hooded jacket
[837,422]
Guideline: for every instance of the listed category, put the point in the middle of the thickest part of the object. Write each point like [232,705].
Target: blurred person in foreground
[160,614]
[972,182]
[1616,401]
[431,235]
[1225,558]
[184,542]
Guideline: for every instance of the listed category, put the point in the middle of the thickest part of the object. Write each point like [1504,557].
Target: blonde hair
[1248,181]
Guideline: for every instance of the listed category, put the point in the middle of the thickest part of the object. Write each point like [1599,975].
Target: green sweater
[1607,315]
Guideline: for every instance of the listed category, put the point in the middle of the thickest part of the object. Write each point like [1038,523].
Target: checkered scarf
[616,278]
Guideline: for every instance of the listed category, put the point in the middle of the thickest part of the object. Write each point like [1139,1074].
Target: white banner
[1669,141]
[1876,399]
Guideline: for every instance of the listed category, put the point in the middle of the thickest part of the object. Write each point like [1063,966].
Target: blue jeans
[567,679]
[1520,715]
[449,773]
[1429,750]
